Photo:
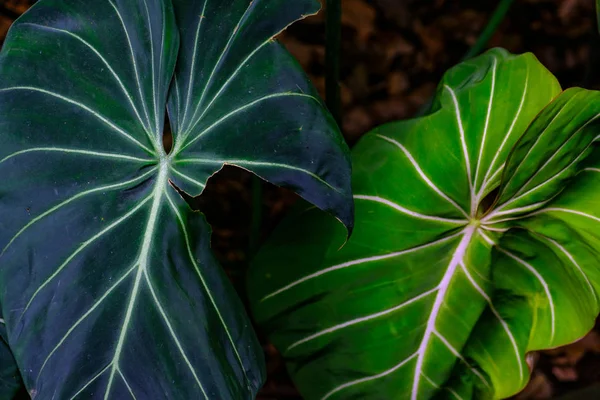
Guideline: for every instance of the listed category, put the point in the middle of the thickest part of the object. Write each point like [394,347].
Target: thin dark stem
[490,29]
[482,41]
[255,224]
[598,14]
[332,59]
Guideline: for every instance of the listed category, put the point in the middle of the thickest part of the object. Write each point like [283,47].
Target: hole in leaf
[227,203]
[167,135]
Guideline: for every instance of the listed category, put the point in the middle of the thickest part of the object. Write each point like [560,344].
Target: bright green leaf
[550,153]
[475,242]
[107,282]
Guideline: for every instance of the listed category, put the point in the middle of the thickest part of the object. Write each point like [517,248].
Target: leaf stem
[491,27]
[332,59]
[598,14]
[255,224]
[497,17]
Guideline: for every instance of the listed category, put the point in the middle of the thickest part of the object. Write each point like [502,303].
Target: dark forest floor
[394,53]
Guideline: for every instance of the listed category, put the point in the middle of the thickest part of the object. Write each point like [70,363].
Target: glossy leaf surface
[468,251]
[108,286]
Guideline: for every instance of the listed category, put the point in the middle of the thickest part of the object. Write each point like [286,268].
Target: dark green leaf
[107,285]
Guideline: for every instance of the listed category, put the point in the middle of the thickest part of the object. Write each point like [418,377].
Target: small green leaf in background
[108,285]
[476,241]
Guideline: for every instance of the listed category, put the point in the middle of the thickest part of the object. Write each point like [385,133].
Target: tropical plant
[477,240]
[108,288]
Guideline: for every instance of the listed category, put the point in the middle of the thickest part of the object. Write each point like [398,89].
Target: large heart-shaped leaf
[465,256]
[107,283]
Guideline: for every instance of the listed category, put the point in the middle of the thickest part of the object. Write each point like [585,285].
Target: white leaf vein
[127,384]
[153,68]
[105,120]
[82,247]
[241,109]
[78,151]
[88,383]
[573,261]
[486,126]
[544,284]
[205,284]
[422,174]
[360,320]
[369,378]
[84,317]
[100,189]
[143,261]
[406,211]
[494,311]
[463,142]
[104,61]
[248,163]
[457,354]
[188,98]
[134,63]
[187,178]
[457,257]
[487,179]
[435,385]
[220,59]
[359,261]
[167,322]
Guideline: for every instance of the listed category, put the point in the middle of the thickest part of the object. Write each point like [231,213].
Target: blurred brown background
[393,54]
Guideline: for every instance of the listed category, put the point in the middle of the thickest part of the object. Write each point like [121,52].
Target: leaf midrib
[456,259]
[161,182]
